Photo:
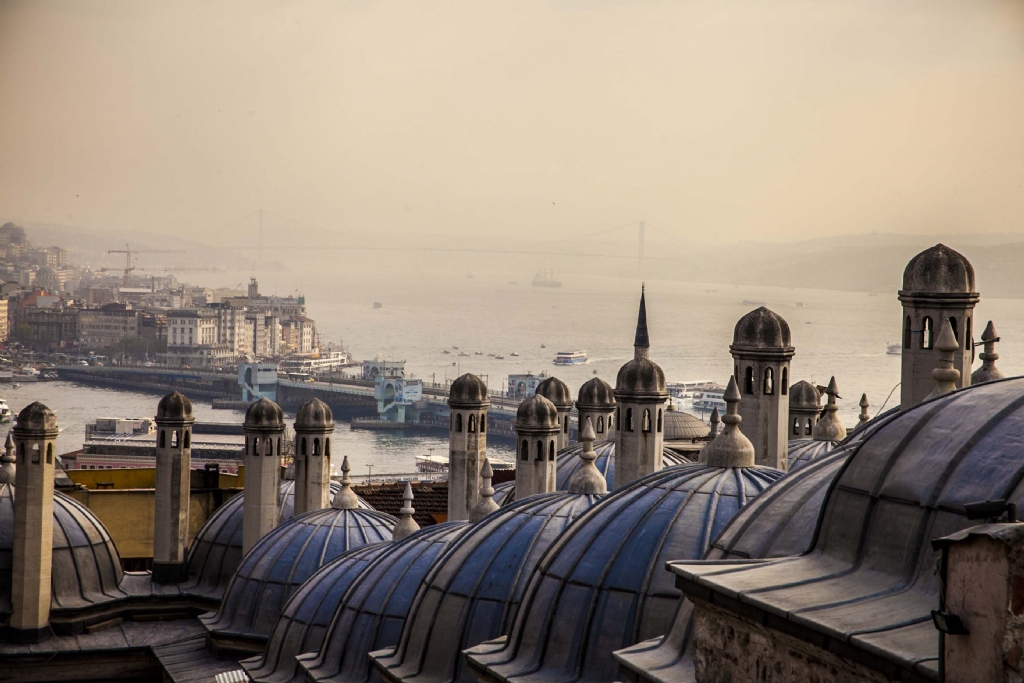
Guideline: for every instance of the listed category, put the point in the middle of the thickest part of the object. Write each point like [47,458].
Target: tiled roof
[430,499]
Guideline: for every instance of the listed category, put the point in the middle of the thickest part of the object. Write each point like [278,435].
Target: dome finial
[830,427]
[716,423]
[345,499]
[7,462]
[587,479]
[732,448]
[485,505]
[864,416]
[642,341]
[406,524]
[945,375]
[988,370]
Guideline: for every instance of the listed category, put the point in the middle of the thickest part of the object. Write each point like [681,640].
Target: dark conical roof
[468,390]
[556,391]
[174,406]
[314,414]
[264,414]
[595,393]
[939,270]
[642,339]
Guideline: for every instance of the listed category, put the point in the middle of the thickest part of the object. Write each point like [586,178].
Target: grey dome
[264,414]
[282,560]
[804,396]
[174,406]
[36,417]
[640,378]
[595,394]
[680,426]
[216,551]
[761,329]
[370,615]
[939,270]
[802,451]
[314,414]
[568,461]
[556,391]
[86,569]
[468,391]
[603,585]
[504,493]
[305,616]
[537,412]
[472,591]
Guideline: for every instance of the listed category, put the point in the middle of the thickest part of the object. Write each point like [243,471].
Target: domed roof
[264,414]
[603,585]
[36,417]
[471,593]
[595,393]
[369,616]
[568,461]
[46,271]
[802,451]
[86,568]
[305,616]
[216,551]
[939,270]
[314,414]
[174,406]
[283,559]
[761,329]
[504,493]
[556,391]
[804,396]
[640,378]
[680,426]
[537,412]
[468,390]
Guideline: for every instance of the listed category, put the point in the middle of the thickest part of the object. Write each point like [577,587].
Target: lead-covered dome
[314,414]
[468,391]
[804,397]
[595,394]
[939,270]
[640,378]
[264,414]
[556,391]
[568,461]
[761,329]
[537,412]
[680,426]
[37,417]
[802,451]
[174,406]
[473,590]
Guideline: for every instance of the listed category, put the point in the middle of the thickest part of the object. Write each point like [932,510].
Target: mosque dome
[264,414]
[369,616]
[282,560]
[37,417]
[468,390]
[640,378]
[471,593]
[604,586]
[48,279]
[595,394]
[804,396]
[306,615]
[314,414]
[939,270]
[174,406]
[504,493]
[556,391]
[802,451]
[761,329]
[216,551]
[537,412]
[86,568]
[680,426]
[568,461]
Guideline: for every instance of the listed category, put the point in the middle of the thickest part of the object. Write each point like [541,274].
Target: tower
[596,400]
[36,436]
[314,425]
[761,350]
[938,285]
[640,396]
[537,432]
[174,422]
[804,409]
[264,431]
[467,443]
[556,391]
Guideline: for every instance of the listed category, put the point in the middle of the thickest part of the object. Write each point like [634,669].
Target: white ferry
[690,388]
[570,357]
[710,398]
[5,411]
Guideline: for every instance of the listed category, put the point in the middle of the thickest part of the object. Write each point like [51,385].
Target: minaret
[731,448]
[988,370]
[804,409]
[588,480]
[264,431]
[556,391]
[406,524]
[346,498]
[467,443]
[640,396]
[596,401]
[761,351]
[537,432]
[938,287]
[7,461]
[864,405]
[174,422]
[945,375]
[314,425]
[486,504]
[830,427]
[35,435]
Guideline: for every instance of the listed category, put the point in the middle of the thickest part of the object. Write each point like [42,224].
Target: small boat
[499,358]
[543,346]
[894,350]
[5,411]
[16,386]
[491,355]
[800,304]
[514,354]
[456,348]
[570,357]
[446,352]
[478,353]
[545,278]
[463,353]
[377,304]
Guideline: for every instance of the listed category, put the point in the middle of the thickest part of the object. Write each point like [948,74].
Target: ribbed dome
[174,406]
[762,329]
[939,270]
[556,391]
[216,551]
[37,417]
[86,568]
[595,394]
[804,396]
[468,391]
[306,615]
[604,586]
[640,378]
[802,451]
[264,414]
[504,493]
[370,615]
[680,426]
[314,414]
[282,560]
[537,412]
[472,591]
[568,461]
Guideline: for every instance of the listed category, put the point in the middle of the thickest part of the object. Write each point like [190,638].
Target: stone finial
[406,524]
[587,479]
[864,416]
[716,423]
[346,498]
[945,375]
[7,462]
[485,505]
[830,427]
[731,448]
[988,370]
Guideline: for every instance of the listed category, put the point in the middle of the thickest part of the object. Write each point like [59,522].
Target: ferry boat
[710,398]
[570,357]
[545,278]
[5,411]
[894,350]
[690,388]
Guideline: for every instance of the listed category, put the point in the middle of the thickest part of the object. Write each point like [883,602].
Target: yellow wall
[145,478]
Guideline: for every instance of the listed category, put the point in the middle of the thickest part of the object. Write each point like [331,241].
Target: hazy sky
[727,120]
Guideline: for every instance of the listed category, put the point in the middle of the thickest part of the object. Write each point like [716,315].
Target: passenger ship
[570,357]
[708,399]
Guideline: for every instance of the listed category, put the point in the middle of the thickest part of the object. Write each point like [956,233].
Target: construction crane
[128,251]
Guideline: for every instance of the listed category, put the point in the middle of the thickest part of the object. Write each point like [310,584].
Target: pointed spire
[716,423]
[945,375]
[587,479]
[642,342]
[864,405]
[345,499]
[485,505]
[406,524]
[731,448]
[7,462]
[830,427]
[988,370]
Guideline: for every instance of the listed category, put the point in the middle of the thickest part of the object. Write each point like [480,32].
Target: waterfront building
[193,339]
[107,326]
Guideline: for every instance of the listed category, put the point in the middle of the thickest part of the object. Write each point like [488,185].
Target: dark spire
[642,340]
